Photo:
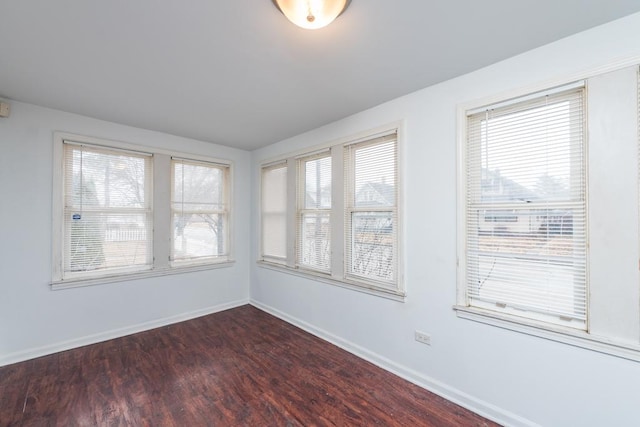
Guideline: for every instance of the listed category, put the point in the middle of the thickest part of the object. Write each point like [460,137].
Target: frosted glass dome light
[311,14]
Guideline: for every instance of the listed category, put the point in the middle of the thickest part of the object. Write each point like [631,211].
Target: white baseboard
[21,356]
[465,400]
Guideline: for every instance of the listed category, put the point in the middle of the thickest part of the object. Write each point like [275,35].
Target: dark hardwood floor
[238,367]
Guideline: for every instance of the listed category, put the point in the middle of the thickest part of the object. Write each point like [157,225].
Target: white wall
[35,320]
[512,377]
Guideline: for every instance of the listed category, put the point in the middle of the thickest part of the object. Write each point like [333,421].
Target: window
[371,215]
[525,208]
[107,210]
[199,211]
[345,224]
[274,213]
[122,210]
[548,218]
[314,209]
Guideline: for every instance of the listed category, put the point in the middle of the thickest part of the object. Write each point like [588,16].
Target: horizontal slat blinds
[526,210]
[371,176]
[199,211]
[314,209]
[274,213]
[333,212]
[107,210]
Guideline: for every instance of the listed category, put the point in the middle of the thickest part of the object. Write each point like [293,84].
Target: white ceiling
[238,73]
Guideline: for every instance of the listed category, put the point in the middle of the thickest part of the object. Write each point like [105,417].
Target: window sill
[568,336]
[85,281]
[370,289]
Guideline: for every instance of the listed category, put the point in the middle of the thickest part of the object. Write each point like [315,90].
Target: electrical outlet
[423,338]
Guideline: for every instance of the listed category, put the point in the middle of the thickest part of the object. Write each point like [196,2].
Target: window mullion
[161,202]
[292,202]
[337,212]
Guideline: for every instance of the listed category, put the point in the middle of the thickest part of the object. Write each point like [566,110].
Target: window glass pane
[526,155]
[318,183]
[528,258]
[197,187]
[102,179]
[101,241]
[198,235]
[372,245]
[315,243]
[375,175]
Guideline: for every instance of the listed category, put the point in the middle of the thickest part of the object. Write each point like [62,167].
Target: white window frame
[146,210]
[350,209]
[337,275]
[271,257]
[302,210]
[224,213]
[160,205]
[613,324]
[519,114]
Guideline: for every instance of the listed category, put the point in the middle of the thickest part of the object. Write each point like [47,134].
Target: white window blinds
[371,176]
[107,210]
[333,211]
[314,202]
[274,212]
[199,211]
[525,208]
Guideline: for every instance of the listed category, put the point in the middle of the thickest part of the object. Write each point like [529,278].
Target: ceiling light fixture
[311,14]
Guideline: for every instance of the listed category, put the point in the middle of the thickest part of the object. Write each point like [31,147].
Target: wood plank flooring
[240,367]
